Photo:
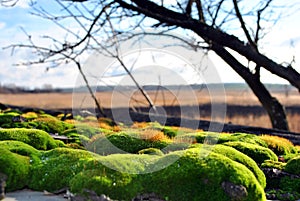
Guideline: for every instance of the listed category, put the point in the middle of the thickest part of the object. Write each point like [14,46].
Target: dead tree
[212,21]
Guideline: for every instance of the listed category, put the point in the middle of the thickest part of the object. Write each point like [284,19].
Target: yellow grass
[153,135]
[233,97]
[277,143]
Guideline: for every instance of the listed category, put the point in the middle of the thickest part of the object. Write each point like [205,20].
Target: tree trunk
[275,110]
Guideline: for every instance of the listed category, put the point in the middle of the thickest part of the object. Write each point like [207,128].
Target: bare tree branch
[243,25]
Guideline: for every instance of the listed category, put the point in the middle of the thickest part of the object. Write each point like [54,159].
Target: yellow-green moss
[57,167]
[51,124]
[258,153]
[239,157]
[37,138]
[123,142]
[279,145]
[191,177]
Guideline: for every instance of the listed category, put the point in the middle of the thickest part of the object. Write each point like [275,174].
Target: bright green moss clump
[237,156]
[19,148]
[258,153]
[37,138]
[57,167]
[242,137]
[51,124]
[16,167]
[189,178]
[123,142]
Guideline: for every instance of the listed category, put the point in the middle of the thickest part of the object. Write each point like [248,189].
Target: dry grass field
[232,98]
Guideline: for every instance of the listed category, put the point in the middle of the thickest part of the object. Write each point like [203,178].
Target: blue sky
[281,44]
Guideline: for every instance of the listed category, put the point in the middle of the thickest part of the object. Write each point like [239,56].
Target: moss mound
[20,148]
[279,145]
[151,151]
[200,137]
[85,130]
[123,142]
[191,177]
[239,157]
[293,166]
[16,167]
[51,124]
[242,137]
[7,118]
[273,164]
[37,138]
[258,153]
[57,167]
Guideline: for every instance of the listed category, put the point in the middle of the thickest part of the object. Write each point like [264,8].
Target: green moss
[293,166]
[81,140]
[181,180]
[59,143]
[6,118]
[51,124]
[19,148]
[16,167]
[242,137]
[151,151]
[123,143]
[199,137]
[37,138]
[103,180]
[12,111]
[288,157]
[74,146]
[85,130]
[279,145]
[273,164]
[289,184]
[220,138]
[239,157]
[193,177]
[258,153]
[57,167]
[20,125]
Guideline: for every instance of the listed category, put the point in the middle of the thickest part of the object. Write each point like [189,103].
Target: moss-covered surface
[16,167]
[293,166]
[258,153]
[273,164]
[151,151]
[57,167]
[123,161]
[37,138]
[123,142]
[239,157]
[51,124]
[191,177]
[181,180]
[279,145]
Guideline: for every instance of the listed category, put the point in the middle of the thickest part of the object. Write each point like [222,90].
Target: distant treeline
[227,86]
[15,90]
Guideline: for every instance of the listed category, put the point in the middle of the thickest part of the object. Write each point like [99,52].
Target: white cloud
[2,25]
